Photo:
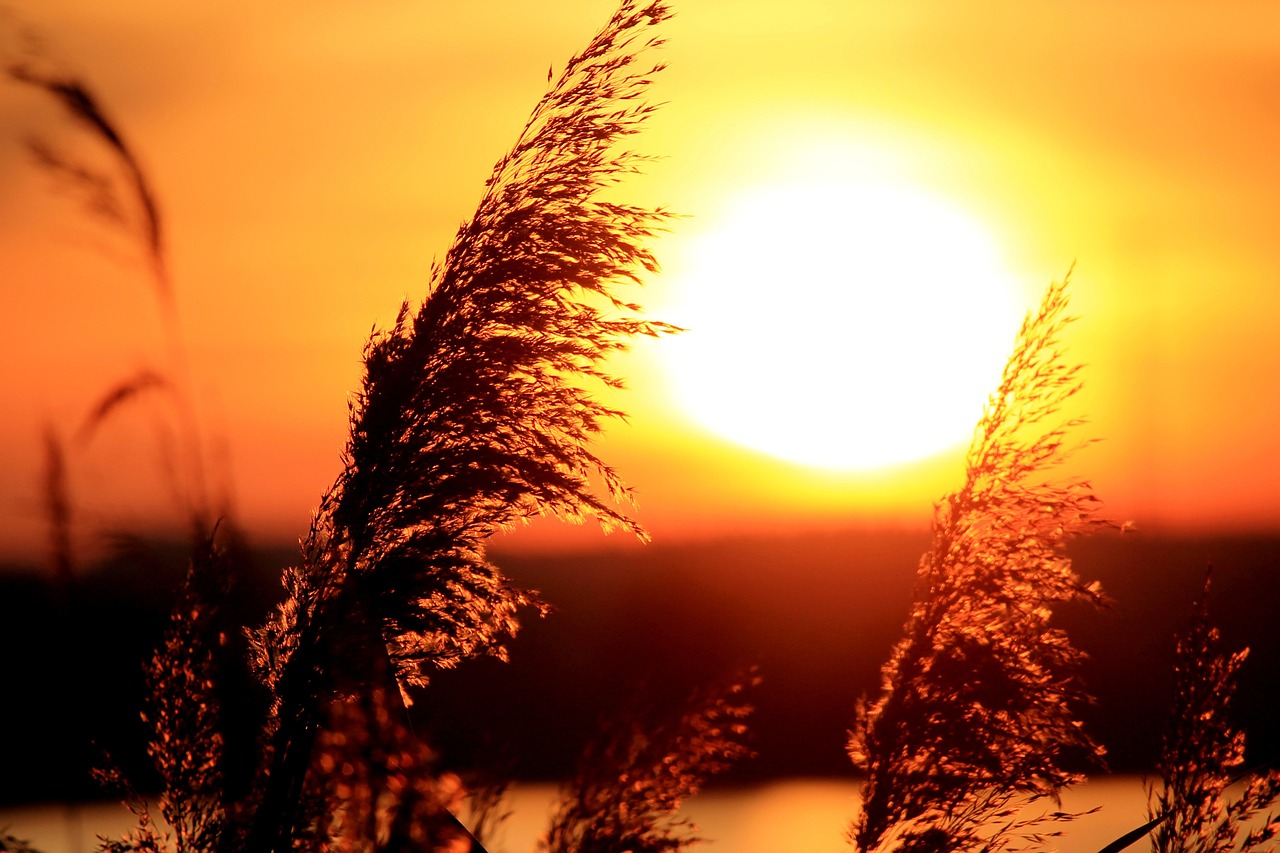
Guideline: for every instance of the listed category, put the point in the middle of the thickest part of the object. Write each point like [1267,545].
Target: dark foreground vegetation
[680,615]
[367,704]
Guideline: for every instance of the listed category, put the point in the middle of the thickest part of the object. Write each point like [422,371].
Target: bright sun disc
[848,325]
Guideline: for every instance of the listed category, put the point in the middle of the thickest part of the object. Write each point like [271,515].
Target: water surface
[792,816]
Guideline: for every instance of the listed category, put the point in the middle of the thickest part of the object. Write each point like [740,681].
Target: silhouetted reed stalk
[629,786]
[186,744]
[473,416]
[1202,754]
[975,715]
[476,413]
[135,210]
[182,712]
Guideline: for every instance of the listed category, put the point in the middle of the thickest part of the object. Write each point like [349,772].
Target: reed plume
[629,785]
[974,716]
[186,745]
[100,188]
[1202,753]
[475,414]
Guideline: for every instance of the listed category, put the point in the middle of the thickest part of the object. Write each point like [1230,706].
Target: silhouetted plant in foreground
[374,784]
[629,786]
[475,414]
[1202,754]
[124,198]
[975,716]
[182,712]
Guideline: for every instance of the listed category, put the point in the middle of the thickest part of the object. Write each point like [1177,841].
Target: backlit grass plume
[628,788]
[475,414]
[974,717]
[186,745]
[374,784]
[1202,752]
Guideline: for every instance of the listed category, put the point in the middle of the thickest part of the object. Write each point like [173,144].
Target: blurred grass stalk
[475,414]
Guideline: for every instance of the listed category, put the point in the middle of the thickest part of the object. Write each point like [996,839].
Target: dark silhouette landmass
[817,614]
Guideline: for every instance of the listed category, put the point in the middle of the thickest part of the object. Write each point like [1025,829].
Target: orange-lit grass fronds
[975,715]
[374,784]
[1202,752]
[186,743]
[474,414]
[629,786]
[124,198]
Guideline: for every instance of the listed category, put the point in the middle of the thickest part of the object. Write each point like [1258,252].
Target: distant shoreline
[816,614]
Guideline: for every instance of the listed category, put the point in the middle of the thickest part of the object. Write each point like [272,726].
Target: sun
[848,324]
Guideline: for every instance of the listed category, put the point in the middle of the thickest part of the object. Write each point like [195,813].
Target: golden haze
[312,159]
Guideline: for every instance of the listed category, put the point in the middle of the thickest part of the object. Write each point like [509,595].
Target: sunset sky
[313,159]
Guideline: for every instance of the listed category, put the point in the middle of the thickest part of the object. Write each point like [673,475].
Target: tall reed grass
[476,412]
[975,716]
[1206,801]
[976,723]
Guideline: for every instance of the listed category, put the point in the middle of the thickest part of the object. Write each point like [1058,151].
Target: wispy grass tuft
[186,745]
[374,785]
[475,414]
[121,394]
[1203,753]
[124,198]
[99,187]
[975,716]
[629,786]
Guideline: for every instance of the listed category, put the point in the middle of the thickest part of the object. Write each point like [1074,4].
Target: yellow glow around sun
[847,324]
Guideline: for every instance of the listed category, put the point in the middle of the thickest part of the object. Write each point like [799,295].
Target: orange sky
[313,158]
